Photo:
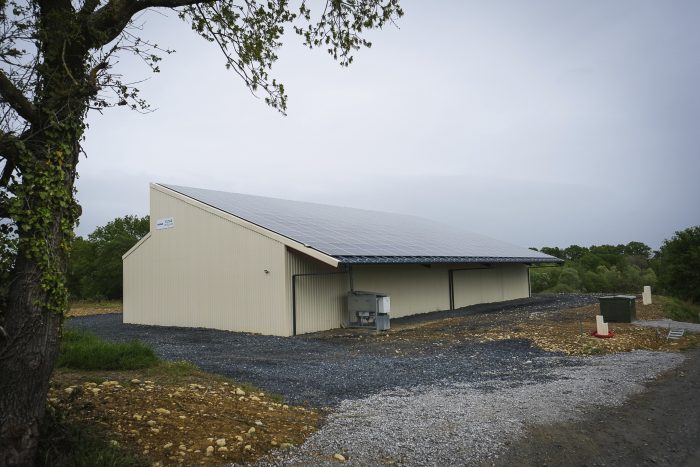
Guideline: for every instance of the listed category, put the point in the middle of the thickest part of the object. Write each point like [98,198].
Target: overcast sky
[534,122]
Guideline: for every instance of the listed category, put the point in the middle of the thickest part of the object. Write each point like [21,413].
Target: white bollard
[601,326]
[646,295]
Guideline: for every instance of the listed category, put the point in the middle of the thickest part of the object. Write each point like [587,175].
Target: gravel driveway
[323,369]
[413,403]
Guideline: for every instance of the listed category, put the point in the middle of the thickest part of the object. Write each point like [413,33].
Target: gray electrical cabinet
[369,309]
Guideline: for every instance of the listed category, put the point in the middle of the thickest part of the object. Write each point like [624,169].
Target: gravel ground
[669,324]
[323,369]
[468,423]
[395,401]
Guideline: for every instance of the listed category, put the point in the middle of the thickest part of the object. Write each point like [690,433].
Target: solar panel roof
[361,236]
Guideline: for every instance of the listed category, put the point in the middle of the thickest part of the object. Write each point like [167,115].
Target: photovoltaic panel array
[358,235]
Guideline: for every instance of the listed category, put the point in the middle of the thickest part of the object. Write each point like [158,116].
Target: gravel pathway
[669,324]
[322,370]
[467,423]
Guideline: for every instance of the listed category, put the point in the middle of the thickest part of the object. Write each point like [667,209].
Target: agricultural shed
[248,263]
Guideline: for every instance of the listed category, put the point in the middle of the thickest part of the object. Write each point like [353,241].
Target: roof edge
[136,246]
[444,259]
[291,243]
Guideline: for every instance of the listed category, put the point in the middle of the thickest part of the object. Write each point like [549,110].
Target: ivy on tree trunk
[56,59]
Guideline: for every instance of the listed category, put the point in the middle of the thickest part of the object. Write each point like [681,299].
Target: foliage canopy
[679,265]
[95,267]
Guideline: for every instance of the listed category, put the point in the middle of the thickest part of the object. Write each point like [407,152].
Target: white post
[646,295]
[601,326]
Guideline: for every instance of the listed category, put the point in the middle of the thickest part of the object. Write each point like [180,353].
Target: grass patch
[72,443]
[679,310]
[83,350]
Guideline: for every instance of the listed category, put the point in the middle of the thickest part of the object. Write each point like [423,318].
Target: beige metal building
[263,265]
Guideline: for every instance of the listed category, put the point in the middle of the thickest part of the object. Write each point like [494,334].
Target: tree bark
[28,350]
[45,214]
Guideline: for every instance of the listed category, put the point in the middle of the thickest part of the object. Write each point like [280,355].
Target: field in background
[92,307]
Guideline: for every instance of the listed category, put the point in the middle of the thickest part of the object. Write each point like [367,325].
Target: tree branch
[4,210]
[89,6]
[17,100]
[9,146]
[9,150]
[105,24]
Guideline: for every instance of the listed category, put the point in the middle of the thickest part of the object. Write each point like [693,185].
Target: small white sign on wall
[165,223]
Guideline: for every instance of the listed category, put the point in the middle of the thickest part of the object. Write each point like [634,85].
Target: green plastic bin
[618,308]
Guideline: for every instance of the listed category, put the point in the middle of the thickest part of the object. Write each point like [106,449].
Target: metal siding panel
[320,299]
[503,282]
[413,288]
[468,289]
[206,272]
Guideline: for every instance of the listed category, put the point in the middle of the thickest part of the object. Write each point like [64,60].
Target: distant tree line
[95,266]
[673,270]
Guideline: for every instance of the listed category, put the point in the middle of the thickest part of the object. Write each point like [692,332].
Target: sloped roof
[354,236]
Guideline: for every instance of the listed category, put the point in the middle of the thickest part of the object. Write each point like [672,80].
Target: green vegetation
[72,443]
[95,265]
[84,351]
[679,310]
[678,265]
[604,268]
[674,270]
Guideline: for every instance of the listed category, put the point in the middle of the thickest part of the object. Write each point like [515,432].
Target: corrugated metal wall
[499,283]
[419,289]
[320,298]
[206,271]
[413,288]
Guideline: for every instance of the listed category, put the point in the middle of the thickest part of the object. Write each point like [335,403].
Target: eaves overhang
[443,259]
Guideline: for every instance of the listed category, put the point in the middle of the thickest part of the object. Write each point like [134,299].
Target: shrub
[543,278]
[570,278]
[561,288]
[82,350]
[679,310]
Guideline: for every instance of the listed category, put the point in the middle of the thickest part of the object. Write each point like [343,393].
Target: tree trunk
[28,350]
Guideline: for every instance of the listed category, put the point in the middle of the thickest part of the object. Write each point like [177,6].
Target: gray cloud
[539,123]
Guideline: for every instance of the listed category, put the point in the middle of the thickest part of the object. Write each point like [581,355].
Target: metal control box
[369,309]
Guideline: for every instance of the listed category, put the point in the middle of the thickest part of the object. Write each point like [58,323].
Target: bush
[82,350]
[569,277]
[561,288]
[543,278]
[679,310]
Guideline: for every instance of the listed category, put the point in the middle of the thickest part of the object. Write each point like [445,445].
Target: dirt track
[660,426]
